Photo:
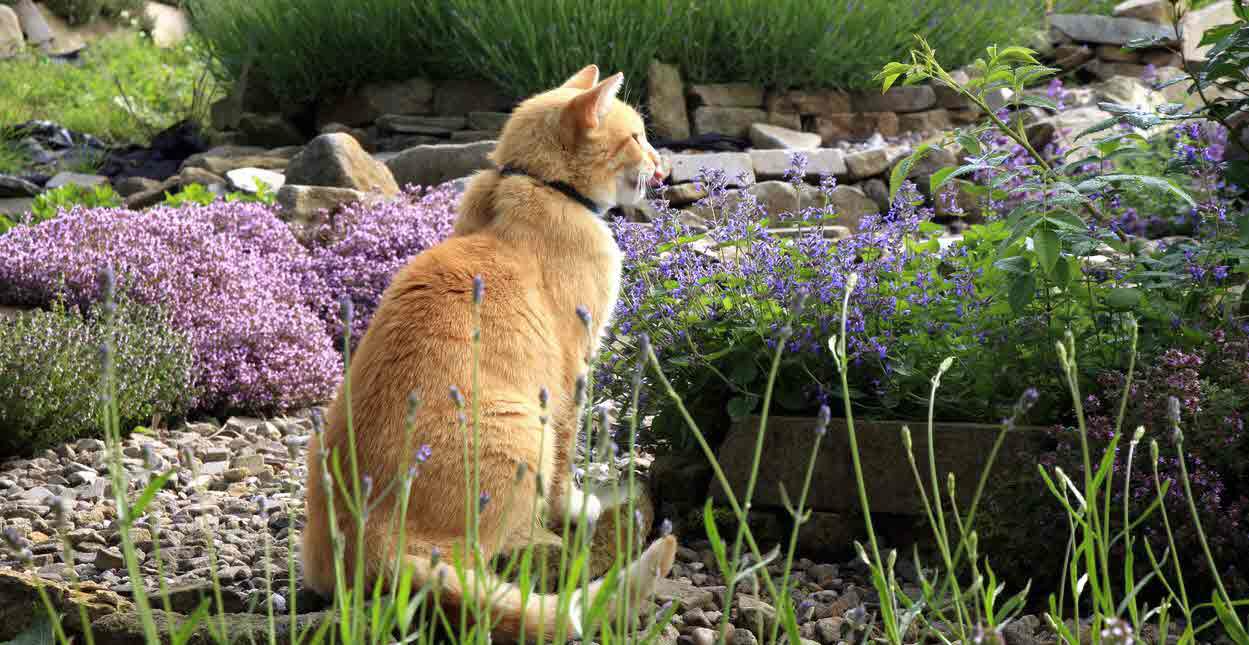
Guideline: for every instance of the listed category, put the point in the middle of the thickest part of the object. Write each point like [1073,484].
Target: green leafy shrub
[527,46]
[50,372]
[123,89]
[199,195]
[53,202]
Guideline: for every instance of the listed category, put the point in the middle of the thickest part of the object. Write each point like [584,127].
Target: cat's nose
[661,173]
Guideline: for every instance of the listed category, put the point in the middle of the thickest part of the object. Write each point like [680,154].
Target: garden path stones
[12,42]
[338,161]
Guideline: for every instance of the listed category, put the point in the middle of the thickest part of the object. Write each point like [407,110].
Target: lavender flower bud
[584,315]
[434,556]
[482,501]
[108,281]
[800,303]
[457,397]
[346,311]
[1026,400]
[479,290]
[857,616]
[579,397]
[665,527]
[423,454]
[414,404]
[318,422]
[1138,435]
[1173,413]
[544,397]
[862,553]
[785,333]
[822,419]
[522,469]
[366,486]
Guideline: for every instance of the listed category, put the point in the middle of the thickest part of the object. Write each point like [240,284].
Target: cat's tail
[536,617]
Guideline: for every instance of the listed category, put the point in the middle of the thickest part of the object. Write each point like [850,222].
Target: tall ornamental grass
[528,45]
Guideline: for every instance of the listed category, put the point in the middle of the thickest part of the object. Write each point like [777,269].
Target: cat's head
[581,134]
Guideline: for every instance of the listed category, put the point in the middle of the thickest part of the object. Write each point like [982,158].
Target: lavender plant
[49,380]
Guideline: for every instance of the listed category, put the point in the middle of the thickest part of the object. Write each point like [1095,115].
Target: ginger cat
[531,229]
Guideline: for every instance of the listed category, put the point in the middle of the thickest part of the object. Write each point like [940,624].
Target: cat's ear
[583,80]
[585,111]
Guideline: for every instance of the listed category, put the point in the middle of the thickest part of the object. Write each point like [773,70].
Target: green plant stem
[1201,533]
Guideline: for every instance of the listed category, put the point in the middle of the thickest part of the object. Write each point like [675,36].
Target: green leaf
[1022,292]
[1047,246]
[969,143]
[741,406]
[1039,101]
[1227,617]
[1064,271]
[1152,182]
[713,536]
[1124,298]
[744,372]
[789,616]
[157,483]
[903,169]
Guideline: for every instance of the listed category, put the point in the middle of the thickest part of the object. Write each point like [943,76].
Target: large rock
[170,25]
[306,208]
[1195,23]
[11,186]
[12,42]
[810,102]
[867,163]
[851,204]
[922,171]
[961,449]
[773,164]
[488,121]
[441,126]
[833,128]
[268,130]
[905,98]
[665,100]
[430,165]
[766,136]
[728,95]
[1108,30]
[1065,126]
[223,159]
[248,180]
[34,23]
[927,122]
[337,160]
[736,166]
[1158,11]
[777,198]
[76,179]
[413,96]
[733,121]
[458,98]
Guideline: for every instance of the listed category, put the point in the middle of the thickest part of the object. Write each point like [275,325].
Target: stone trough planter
[961,449]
